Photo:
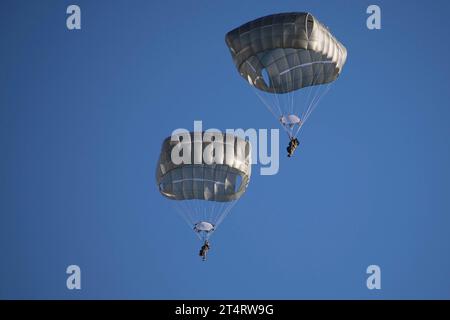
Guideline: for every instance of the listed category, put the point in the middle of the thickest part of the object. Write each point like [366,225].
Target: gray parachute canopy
[206,173]
[221,173]
[284,52]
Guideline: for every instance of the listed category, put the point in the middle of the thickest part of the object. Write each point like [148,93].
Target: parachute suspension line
[205,216]
[295,135]
[313,97]
[287,87]
[181,213]
[189,222]
[294,93]
[224,214]
[209,212]
[277,99]
[262,99]
[292,109]
[219,210]
[187,211]
[225,208]
[194,210]
[277,117]
[291,94]
[269,105]
[311,89]
[214,209]
[313,105]
[285,95]
[201,213]
[221,205]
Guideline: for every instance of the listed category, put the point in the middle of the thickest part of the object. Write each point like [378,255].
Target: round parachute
[291,122]
[203,226]
[282,53]
[205,173]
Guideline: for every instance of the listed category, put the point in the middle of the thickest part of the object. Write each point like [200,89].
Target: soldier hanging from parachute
[287,58]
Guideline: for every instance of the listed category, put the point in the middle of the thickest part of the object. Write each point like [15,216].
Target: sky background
[83,115]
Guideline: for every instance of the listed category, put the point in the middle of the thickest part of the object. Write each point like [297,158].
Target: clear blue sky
[83,115]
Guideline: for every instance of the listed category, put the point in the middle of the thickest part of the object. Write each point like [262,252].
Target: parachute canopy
[222,174]
[205,173]
[284,52]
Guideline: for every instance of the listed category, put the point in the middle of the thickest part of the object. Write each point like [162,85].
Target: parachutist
[201,181]
[204,250]
[295,58]
[293,144]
